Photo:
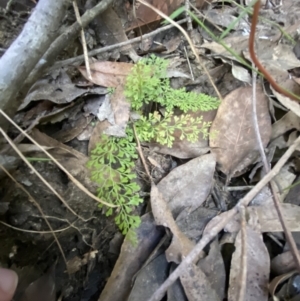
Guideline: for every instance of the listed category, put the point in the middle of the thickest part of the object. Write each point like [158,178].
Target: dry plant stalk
[243,269]
[84,46]
[276,201]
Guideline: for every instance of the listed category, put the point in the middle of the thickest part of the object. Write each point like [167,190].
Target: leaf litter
[181,202]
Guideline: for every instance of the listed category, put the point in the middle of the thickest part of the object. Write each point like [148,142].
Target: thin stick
[75,181]
[206,238]
[276,201]
[140,151]
[189,64]
[255,60]
[85,52]
[243,269]
[34,231]
[94,52]
[189,19]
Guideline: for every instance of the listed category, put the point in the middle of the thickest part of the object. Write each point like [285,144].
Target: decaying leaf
[107,74]
[42,289]
[197,286]
[57,88]
[258,268]
[283,263]
[112,32]
[213,267]
[235,143]
[279,280]
[145,15]
[149,279]
[181,187]
[293,105]
[76,127]
[180,245]
[289,121]
[118,285]
[268,218]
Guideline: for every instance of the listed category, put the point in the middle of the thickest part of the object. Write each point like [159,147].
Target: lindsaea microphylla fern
[113,160]
[112,163]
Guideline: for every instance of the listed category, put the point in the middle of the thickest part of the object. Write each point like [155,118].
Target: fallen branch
[24,53]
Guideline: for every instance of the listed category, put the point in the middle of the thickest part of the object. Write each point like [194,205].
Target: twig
[266,165]
[75,181]
[257,62]
[94,52]
[189,64]
[206,238]
[140,151]
[243,269]
[17,62]
[187,15]
[85,52]
[238,188]
[205,17]
[34,231]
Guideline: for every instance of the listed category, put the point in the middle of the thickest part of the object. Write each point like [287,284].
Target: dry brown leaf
[114,119]
[110,31]
[294,192]
[197,286]
[149,279]
[275,57]
[180,245]
[76,127]
[181,187]
[57,88]
[258,268]
[237,44]
[42,289]
[287,102]
[225,17]
[145,15]
[119,284]
[213,267]
[268,218]
[107,74]
[279,280]
[283,263]
[289,121]
[272,55]
[192,223]
[73,160]
[235,144]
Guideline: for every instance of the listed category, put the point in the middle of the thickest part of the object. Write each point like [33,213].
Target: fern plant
[113,160]
[112,163]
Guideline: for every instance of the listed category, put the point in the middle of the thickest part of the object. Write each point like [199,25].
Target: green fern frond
[112,163]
